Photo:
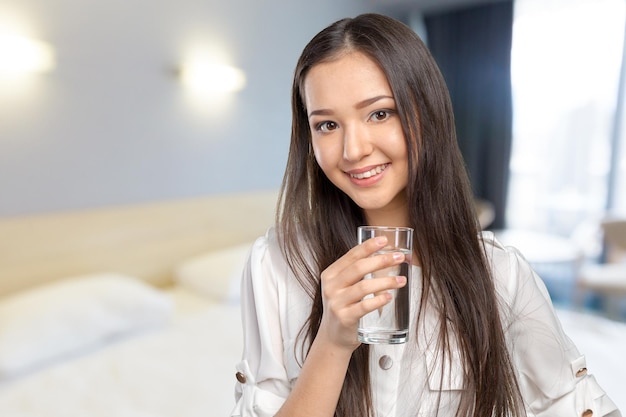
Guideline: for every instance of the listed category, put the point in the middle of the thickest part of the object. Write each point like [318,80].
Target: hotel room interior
[142,145]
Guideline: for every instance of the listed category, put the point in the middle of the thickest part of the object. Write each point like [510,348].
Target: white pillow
[216,274]
[73,315]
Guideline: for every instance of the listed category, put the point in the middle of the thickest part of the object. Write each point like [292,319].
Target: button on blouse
[385,362]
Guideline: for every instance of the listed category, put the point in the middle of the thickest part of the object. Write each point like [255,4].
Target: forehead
[352,76]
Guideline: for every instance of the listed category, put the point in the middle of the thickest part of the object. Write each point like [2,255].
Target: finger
[361,251]
[377,286]
[356,272]
[369,304]
[365,266]
[339,298]
[378,292]
[355,294]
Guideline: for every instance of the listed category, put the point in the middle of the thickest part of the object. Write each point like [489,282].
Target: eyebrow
[359,105]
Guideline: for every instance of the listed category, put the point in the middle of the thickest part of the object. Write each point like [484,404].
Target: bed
[126,311]
[134,311]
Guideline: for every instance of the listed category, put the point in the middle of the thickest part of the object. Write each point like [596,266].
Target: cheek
[401,145]
[399,153]
[323,156]
[396,146]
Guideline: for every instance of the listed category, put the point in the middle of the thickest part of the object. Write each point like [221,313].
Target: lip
[369,175]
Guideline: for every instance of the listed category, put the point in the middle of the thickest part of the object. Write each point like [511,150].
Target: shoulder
[268,268]
[264,244]
[512,274]
[266,260]
[498,255]
[502,259]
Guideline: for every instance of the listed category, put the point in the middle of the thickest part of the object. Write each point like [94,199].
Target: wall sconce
[206,77]
[19,54]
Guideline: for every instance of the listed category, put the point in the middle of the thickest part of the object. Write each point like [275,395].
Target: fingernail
[401,279]
[381,240]
[398,256]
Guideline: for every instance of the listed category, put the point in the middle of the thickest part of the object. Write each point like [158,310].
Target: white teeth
[367,174]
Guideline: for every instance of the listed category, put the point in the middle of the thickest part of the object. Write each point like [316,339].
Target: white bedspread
[187,370]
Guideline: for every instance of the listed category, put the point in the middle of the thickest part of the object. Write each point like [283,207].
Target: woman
[373,142]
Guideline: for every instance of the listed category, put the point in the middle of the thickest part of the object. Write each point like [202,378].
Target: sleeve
[262,384]
[552,374]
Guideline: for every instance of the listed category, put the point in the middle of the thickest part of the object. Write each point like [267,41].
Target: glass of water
[390,323]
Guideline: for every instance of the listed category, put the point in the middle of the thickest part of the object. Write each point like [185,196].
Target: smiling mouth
[370,173]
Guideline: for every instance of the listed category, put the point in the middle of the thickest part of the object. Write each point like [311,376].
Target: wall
[111,124]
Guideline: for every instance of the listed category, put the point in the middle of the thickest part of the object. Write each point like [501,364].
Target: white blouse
[406,378]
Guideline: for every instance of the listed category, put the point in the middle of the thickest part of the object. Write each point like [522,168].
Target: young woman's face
[356,135]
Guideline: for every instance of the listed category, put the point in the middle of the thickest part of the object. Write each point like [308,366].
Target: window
[566,63]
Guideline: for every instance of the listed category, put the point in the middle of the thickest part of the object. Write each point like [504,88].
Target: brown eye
[380,115]
[327,126]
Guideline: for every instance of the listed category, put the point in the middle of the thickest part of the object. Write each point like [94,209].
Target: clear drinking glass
[390,323]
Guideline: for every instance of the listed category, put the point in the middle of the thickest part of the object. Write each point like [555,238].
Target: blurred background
[116,103]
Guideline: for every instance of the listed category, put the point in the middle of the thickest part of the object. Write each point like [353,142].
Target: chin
[389,202]
[371,203]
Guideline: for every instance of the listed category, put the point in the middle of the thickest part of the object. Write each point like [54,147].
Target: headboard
[145,240]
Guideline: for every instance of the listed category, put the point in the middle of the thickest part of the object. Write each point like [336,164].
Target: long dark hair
[317,222]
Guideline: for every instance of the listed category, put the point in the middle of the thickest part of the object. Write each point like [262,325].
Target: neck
[398,218]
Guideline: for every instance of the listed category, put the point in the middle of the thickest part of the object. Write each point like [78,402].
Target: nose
[356,142]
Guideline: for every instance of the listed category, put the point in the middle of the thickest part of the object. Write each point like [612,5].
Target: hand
[343,290]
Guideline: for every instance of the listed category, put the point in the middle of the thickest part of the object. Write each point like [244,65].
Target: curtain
[472,47]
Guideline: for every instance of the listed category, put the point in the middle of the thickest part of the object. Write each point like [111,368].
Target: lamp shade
[209,77]
[19,54]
